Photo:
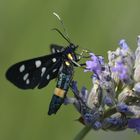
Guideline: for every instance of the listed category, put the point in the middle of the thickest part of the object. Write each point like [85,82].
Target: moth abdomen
[56,101]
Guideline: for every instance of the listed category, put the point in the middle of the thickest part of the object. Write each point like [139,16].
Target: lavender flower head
[113,103]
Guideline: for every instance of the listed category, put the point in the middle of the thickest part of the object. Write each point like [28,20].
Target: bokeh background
[25,32]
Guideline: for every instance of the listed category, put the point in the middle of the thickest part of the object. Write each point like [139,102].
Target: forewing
[31,73]
[50,74]
[56,48]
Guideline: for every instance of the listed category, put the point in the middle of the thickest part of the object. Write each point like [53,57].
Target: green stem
[83,133]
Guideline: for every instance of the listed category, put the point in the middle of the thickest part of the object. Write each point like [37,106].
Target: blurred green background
[25,32]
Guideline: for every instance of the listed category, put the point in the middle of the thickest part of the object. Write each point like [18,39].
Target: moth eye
[22,68]
[38,63]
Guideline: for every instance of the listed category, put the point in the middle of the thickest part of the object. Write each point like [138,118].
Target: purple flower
[134,123]
[116,123]
[83,91]
[84,94]
[97,125]
[101,60]
[88,117]
[94,65]
[113,121]
[108,101]
[121,70]
[123,44]
[113,103]
[122,107]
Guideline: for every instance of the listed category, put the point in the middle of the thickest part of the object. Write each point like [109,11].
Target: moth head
[71,55]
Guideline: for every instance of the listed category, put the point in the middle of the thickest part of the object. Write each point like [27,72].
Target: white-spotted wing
[35,72]
[56,48]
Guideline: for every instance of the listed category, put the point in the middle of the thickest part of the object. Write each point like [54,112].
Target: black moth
[38,72]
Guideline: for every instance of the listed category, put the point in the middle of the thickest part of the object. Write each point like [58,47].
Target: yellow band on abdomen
[59,92]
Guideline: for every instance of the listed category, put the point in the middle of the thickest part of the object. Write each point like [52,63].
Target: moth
[38,72]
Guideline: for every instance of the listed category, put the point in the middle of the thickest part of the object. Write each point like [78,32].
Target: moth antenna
[57,30]
[63,26]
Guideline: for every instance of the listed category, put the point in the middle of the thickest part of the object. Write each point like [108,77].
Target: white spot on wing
[38,63]
[22,68]
[25,76]
[54,70]
[48,77]
[54,59]
[43,71]
[27,81]
[53,50]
